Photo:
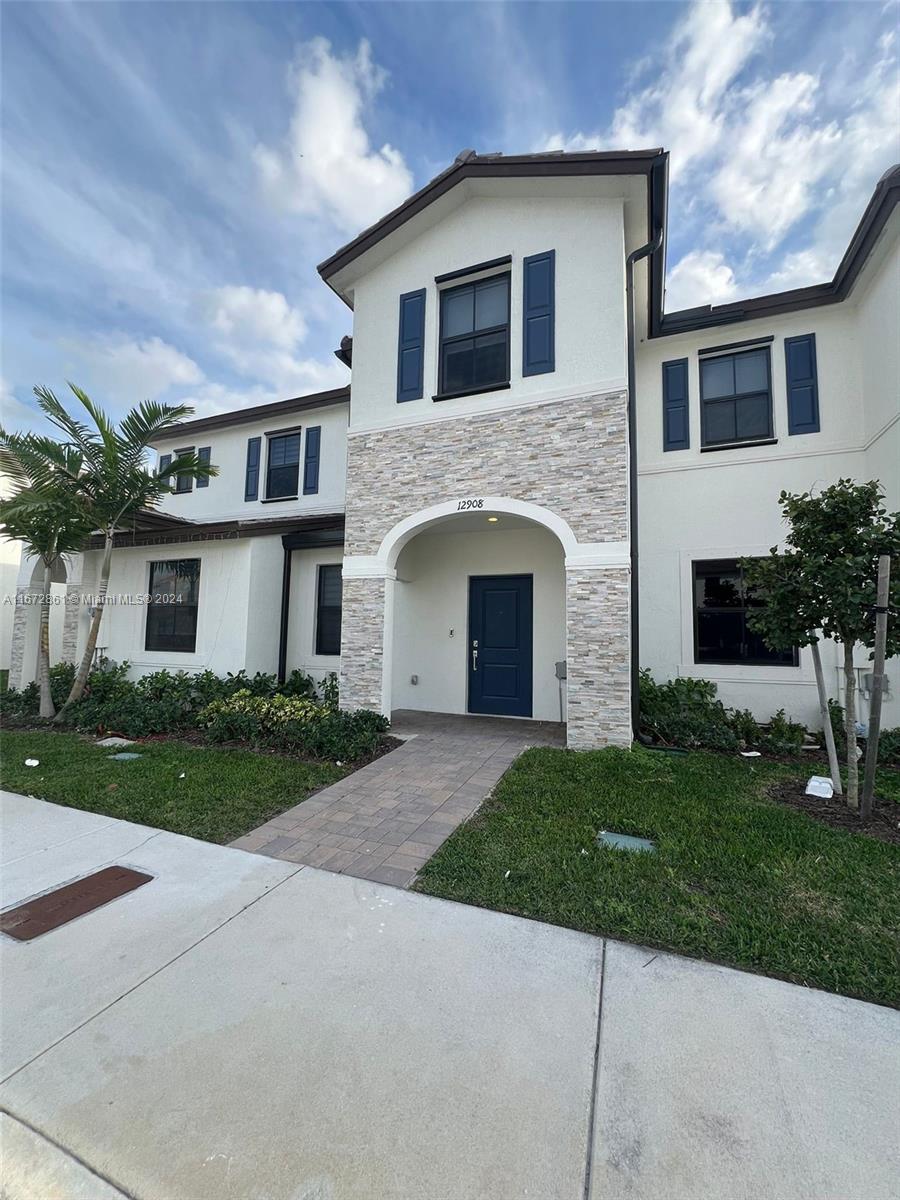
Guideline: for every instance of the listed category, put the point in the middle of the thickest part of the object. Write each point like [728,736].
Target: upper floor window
[183,482]
[722,601]
[172,609]
[474,351]
[283,467]
[736,397]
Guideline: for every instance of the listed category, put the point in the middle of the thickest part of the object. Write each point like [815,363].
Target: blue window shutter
[251,484]
[203,454]
[311,460]
[164,460]
[802,384]
[539,316]
[411,347]
[676,411]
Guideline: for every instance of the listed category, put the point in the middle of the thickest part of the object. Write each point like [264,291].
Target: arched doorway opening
[477,622]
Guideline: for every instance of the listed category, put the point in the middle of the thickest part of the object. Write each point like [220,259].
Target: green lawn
[737,878]
[223,794]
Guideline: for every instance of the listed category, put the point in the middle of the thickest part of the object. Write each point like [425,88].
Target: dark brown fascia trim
[488,166]
[262,412]
[505,261]
[763,340]
[874,219]
[220,530]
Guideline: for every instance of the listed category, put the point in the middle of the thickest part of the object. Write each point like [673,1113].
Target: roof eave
[491,166]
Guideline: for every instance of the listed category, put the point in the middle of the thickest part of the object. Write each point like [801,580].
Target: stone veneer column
[20,635]
[362,642]
[598,688]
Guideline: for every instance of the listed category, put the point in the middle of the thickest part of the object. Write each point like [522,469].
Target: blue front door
[500,645]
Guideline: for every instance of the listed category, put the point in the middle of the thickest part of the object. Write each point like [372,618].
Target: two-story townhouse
[538,480]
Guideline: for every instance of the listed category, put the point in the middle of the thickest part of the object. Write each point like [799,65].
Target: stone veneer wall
[598,648]
[569,456]
[362,643]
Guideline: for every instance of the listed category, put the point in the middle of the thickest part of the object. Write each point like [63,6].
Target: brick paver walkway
[386,820]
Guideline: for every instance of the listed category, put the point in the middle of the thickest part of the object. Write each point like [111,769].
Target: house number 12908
[464,505]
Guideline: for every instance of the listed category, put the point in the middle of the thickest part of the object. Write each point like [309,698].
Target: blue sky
[172,172]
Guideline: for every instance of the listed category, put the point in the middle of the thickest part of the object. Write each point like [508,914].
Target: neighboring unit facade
[537,481]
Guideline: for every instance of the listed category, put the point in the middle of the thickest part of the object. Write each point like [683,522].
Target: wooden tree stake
[881,620]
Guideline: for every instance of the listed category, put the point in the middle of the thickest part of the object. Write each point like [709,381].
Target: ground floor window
[172,608]
[722,601]
[328,609]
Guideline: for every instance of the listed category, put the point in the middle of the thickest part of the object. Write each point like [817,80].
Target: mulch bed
[884,825]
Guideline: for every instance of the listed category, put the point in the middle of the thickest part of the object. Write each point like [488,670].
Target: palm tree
[50,521]
[113,480]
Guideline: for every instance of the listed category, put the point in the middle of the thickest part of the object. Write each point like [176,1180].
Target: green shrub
[160,702]
[745,726]
[783,736]
[889,747]
[295,724]
[888,742]
[329,691]
[685,712]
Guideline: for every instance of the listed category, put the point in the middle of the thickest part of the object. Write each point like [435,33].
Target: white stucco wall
[587,234]
[724,504]
[222,623]
[224,500]
[877,304]
[431,598]
[301,650]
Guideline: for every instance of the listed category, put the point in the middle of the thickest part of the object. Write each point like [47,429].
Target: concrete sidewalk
[245,1029]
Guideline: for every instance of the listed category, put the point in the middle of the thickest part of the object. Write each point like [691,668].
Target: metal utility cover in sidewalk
[34,917]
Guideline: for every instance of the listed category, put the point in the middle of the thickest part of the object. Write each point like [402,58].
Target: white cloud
[700,277]
[125,371]
[247,315]
[766,180]
[686,108]
[756,155]
[327,167]
[260,334]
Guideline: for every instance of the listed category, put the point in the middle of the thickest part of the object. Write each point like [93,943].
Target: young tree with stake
[824,582]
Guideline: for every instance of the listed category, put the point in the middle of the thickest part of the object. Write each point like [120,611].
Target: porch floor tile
[386,820]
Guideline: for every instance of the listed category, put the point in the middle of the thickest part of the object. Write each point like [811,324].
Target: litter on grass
[750,754]
[821,786]
[32,762]
[624,841]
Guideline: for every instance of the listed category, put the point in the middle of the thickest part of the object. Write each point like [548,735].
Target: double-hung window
[283,467]
[722,602]
[172,607]
[328,609]
[183,482]
[736,397]
[474,351]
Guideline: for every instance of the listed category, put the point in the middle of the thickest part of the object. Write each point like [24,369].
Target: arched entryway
[597,643]
[479,617]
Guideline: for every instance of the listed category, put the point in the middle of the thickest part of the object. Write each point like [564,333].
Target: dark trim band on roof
[470,165]
[261,412]
[874,219]
[212,531]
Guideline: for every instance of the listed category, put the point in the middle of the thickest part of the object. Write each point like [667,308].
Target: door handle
[474,656]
